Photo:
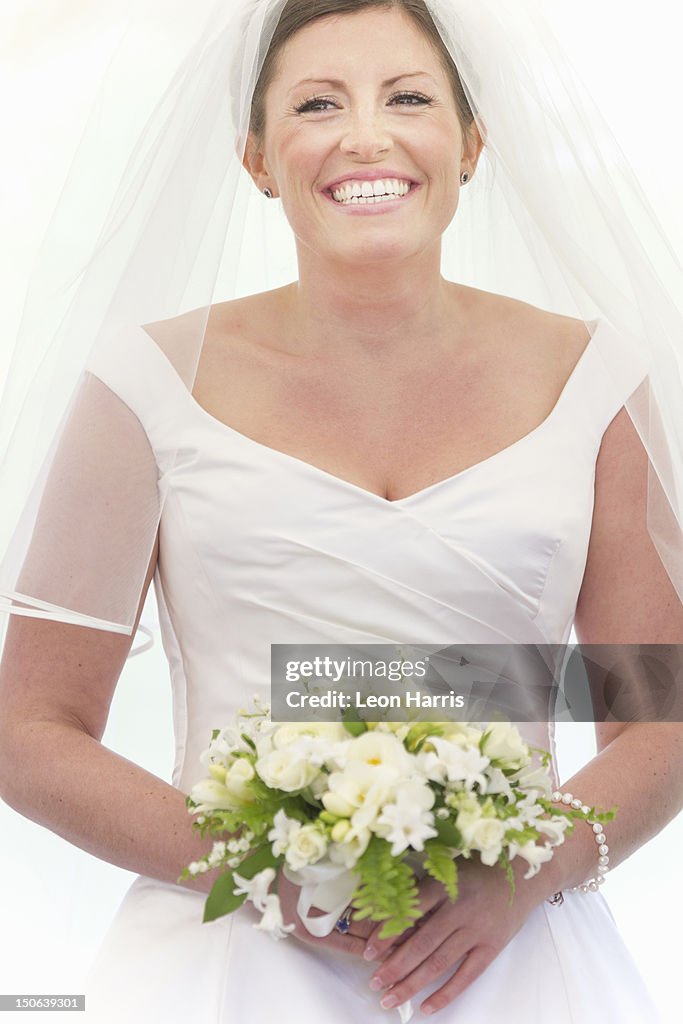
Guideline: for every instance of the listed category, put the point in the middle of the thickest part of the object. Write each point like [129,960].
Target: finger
[347,943]
[425,943]
[446,957]
[431,897]
[474,964]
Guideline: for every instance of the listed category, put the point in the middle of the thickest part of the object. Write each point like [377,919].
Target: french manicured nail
[376,984]
[370,953]
[389,1001]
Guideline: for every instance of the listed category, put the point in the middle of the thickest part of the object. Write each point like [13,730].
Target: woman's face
[375,114]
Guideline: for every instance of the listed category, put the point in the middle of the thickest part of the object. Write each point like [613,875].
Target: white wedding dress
[259,547]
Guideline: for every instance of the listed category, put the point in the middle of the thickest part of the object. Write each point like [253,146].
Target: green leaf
[440,865]
[449,835]
[355,728]
[262,858]
[387,890]
[221,900]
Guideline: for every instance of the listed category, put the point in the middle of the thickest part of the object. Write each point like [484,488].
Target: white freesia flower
[256,888]
[534,855]
[272,920]
[350,847]
[449,762]
[285,769]
[380,750]
[283,831]
[533,778]
[211,795]
[497,782]
[306,846]
[531,813]
[504,744]
[237,778]
[553,829]
[408,821]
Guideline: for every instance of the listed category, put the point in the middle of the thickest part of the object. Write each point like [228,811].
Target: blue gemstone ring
[344,922]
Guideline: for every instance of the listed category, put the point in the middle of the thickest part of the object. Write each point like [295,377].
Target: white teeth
[355,191]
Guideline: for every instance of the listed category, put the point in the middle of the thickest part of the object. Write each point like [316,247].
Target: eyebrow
[340,85]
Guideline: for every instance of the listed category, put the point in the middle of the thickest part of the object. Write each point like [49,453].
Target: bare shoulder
[239,323]
[551,339]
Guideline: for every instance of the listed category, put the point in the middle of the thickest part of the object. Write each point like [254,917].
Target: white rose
[281,769]
[505,745]
[289,732]
[358,784]
[487,837]
[307,845]
[462,734]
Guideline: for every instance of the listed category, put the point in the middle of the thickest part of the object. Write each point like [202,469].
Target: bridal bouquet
[355,813]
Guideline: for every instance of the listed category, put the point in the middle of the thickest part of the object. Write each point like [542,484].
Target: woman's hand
[354,941]
[477,926]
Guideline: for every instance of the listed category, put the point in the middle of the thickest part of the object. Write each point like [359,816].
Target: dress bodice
[259,547]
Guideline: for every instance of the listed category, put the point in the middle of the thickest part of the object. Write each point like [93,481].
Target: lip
[369,176]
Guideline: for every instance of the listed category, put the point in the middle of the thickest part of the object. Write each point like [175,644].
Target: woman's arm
[56,686]
[626,598]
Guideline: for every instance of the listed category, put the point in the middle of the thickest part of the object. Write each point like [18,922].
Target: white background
[56,901]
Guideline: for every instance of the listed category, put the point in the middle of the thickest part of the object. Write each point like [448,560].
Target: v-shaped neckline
[341,481]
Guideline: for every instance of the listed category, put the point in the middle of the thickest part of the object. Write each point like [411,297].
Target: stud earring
[267,193]
[464,178]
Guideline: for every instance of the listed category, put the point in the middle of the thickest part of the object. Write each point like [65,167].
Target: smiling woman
[372,451]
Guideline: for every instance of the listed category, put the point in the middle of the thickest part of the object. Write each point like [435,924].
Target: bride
[369,452]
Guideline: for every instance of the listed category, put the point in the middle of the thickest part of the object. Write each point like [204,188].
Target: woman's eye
[311,105]
[316,104]
[411,96]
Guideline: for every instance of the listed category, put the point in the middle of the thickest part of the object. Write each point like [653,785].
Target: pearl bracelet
[591,884]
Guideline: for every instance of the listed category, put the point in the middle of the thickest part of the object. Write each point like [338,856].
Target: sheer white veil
[553,215]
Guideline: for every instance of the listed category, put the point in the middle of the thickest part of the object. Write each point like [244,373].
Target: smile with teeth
[363,192]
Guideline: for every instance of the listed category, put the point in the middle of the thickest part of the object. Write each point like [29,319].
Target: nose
[367,135]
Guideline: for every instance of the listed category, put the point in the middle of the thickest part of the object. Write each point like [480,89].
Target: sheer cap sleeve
[82,548]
